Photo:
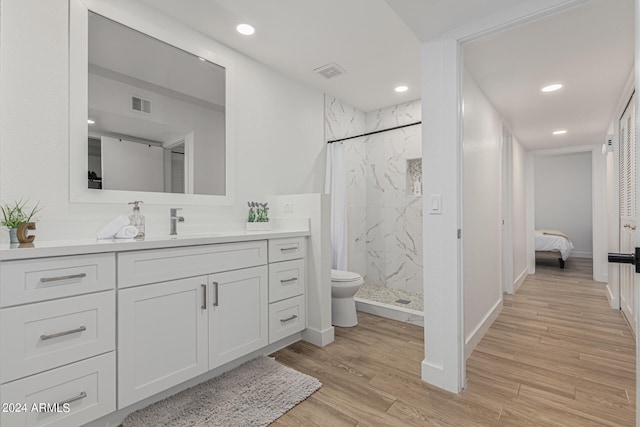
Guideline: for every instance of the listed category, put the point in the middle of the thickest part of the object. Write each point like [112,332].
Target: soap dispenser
[137,219]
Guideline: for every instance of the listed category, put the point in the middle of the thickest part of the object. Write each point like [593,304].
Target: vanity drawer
[89,386]
[42,336]
[286,249]
[286,317]
[286,279]
[48,278]
[160,265]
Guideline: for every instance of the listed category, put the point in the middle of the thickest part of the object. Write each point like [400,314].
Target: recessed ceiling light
[91,122]
[560,132]
[401,88]
[245,29]
[552,87]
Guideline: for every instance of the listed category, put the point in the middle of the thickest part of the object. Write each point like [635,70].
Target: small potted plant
[258,219]
[16,213]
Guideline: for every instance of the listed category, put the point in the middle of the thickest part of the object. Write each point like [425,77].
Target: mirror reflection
[156,115]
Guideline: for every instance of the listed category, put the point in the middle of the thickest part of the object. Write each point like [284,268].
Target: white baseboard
[476,336]
[582,254]
[435,375]
[319,338]
[520,280]
[613,301]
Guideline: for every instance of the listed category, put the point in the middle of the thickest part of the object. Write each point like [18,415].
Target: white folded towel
[127,232]
[110,230]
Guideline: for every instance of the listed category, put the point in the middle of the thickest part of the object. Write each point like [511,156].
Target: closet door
[628,210]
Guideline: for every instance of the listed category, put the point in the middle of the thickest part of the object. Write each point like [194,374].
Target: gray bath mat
[254,394]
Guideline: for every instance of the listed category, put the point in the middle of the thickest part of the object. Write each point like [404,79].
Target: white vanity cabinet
[238,315]
[162,337]
[177,329]
[287,284]
[57,329]
[179,309]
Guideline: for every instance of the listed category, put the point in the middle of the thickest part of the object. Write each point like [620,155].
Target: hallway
[556,356]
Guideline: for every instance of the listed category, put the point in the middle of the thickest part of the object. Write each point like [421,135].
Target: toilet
[344,285]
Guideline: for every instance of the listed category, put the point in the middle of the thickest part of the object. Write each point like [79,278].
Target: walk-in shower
[384,205]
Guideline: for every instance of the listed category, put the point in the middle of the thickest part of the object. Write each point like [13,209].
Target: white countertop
[91,246]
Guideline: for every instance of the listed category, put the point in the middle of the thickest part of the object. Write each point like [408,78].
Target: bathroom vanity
[93,328]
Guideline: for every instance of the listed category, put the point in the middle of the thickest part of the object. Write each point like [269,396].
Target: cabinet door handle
[215,302]
[58,278]
[204,297]
[290,248]
[61,334]
[293,316]
[81,396]
[293,279]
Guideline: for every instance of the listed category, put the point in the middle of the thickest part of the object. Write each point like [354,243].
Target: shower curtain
[336,186]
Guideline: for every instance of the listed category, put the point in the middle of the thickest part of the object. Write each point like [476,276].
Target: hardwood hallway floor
[556,356]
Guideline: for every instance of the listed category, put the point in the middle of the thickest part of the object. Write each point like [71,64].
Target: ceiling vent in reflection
[140,104]
[330,70]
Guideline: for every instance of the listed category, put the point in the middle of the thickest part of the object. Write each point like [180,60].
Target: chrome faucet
[175,219]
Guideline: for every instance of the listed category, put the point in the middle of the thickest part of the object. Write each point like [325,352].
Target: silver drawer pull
[73,399]
[55,279]
[204,297]
[61,334]
[291,248]
[293,316]
[293,279]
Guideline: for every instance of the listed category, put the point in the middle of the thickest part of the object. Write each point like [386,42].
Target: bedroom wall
[519,211]
[481,213]
[563,198]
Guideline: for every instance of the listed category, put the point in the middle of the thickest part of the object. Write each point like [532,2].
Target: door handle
[216,290]
[633,258]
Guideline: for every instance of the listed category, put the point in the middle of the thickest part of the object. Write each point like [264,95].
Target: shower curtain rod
[374,132]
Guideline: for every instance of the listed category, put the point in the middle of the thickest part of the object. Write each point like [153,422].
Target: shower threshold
[391,303]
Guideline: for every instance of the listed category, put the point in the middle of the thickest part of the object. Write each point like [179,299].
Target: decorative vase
[258,226]
[13,235]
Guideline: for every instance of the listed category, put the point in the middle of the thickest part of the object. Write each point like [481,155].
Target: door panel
[627,181]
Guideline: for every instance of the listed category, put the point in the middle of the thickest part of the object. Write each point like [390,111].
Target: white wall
[279,148]
[481,213]
[563,198]
[519,218]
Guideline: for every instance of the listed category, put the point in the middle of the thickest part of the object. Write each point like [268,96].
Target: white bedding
[546,242]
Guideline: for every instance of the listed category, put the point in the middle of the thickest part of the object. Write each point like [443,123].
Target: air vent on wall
[140,104]
[330,70]
[609,143]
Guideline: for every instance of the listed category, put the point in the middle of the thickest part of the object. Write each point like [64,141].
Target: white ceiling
[589,49]
[365,37]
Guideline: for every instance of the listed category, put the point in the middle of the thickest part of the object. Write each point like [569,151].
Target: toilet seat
[344,276]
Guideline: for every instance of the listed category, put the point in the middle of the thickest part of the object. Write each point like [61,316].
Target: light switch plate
[435,204]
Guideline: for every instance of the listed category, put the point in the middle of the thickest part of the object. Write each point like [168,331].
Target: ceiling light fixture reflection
[245,29]
[401,89]
[91,122]
[560,132]
[202,59]
[552,87]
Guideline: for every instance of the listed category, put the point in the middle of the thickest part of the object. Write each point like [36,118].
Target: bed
[554,241]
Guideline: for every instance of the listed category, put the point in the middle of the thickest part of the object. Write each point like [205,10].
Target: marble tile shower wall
[385,220]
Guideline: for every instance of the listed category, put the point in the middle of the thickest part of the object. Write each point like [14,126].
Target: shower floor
[383,301]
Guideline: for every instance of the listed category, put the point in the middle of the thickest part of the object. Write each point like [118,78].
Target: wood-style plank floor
[557,355]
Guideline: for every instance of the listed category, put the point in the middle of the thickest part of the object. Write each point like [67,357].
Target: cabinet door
[238,320]
[162,337]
